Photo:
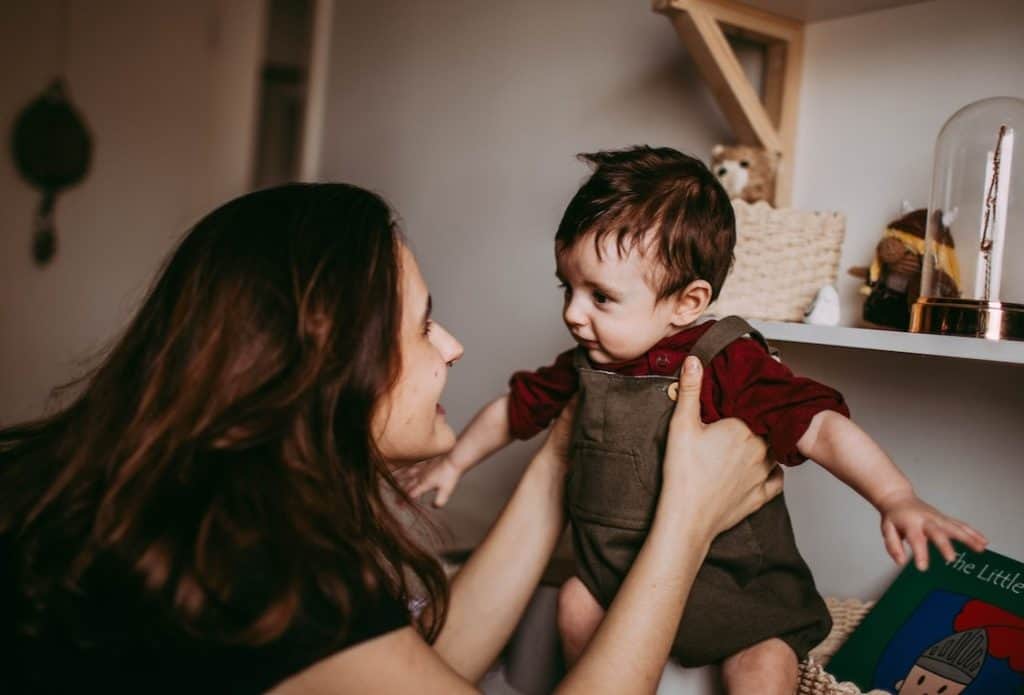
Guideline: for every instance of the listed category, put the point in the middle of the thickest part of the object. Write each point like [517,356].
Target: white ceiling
[819,10]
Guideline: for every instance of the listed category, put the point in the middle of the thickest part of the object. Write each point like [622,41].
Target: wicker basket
[814,679]
[783,257]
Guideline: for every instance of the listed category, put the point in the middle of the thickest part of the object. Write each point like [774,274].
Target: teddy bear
[745,172]
[893,281]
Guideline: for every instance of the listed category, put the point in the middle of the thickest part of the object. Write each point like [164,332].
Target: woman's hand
[719,468]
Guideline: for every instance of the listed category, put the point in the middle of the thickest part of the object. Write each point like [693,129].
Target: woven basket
[783,257]
[814,679]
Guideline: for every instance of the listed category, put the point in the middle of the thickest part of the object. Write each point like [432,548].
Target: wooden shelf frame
[703,25]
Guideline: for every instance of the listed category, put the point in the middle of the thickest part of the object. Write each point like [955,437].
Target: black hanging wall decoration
[52,148]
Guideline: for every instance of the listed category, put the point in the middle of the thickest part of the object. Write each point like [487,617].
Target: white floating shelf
[1006,351]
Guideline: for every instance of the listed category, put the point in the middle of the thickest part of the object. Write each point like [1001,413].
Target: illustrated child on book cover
[977,648]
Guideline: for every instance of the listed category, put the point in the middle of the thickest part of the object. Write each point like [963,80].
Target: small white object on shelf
[824,310]
[1004,351]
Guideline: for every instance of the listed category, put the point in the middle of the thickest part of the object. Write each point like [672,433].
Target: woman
[210,511]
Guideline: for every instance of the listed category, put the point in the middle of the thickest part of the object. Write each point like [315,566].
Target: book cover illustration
[956,628]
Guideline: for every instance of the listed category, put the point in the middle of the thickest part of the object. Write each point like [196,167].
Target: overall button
[673,392]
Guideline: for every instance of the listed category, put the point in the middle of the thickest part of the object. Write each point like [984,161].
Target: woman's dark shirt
[113,638]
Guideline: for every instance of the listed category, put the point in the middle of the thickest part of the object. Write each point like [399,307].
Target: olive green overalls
[753,584]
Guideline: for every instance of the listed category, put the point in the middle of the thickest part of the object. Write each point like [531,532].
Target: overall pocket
[612,488]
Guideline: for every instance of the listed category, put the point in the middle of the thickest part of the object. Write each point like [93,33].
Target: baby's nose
[572,315]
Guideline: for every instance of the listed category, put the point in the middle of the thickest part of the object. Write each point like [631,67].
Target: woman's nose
[450,348]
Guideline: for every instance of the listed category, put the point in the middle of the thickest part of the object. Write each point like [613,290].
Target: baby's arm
[846,451]
[534,400]
[486,433]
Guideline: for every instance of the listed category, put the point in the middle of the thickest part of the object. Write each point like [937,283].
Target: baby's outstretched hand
[439,473]
[906,518]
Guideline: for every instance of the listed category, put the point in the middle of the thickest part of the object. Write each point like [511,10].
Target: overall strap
[722,334]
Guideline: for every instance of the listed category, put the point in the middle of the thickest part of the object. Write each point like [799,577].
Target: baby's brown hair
[641,190]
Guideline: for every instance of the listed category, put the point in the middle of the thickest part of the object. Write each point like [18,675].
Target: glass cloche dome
[972,281]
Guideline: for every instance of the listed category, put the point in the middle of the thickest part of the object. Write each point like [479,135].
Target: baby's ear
[690,303]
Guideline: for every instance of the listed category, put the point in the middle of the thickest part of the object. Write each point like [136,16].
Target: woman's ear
[690,303]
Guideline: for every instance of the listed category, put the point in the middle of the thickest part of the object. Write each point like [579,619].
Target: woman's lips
[440,409]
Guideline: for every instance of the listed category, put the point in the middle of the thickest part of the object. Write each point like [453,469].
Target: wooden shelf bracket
[702,25]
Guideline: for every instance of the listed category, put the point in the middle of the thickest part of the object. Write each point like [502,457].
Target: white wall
[877,89]
[168,91]
[467,116]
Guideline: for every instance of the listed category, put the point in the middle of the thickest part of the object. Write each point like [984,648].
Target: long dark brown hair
[228,432]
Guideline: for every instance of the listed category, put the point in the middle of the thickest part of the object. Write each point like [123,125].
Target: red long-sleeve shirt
[742,381]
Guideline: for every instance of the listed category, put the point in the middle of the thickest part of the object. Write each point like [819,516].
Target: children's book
[956,628]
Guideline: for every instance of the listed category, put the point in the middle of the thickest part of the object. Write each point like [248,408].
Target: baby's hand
[907,518]
[439,473]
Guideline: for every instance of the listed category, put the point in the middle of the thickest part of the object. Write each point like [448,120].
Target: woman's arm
[490,592]
[488,596]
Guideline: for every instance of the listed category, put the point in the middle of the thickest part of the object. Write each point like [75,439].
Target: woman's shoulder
[396,662]
[317,633]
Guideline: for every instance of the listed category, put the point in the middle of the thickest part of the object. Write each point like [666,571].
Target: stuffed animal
[745,172]
[893,281]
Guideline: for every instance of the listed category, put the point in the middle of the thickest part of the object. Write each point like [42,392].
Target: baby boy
[642,250]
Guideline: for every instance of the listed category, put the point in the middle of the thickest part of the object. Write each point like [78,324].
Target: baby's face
[610,308]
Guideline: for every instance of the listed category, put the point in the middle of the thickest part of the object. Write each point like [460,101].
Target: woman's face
[408,422]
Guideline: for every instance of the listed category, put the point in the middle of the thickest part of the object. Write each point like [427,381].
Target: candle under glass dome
[972,281]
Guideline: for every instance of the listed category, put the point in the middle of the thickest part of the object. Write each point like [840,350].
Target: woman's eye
[600,297]
[427,326]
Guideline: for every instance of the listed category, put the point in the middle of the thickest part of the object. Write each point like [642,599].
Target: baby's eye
[566,290]
[600,297]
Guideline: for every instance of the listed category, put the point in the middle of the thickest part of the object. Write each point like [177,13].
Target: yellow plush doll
[893,281]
